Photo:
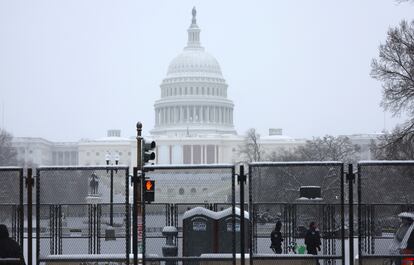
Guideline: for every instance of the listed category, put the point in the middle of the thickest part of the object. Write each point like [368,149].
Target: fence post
[20,217]
[241,180]
[350,177]
[138,195]
[135,216]
[29,185]
[233,213]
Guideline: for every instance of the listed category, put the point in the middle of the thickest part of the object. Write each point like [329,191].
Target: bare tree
[327,148]
[289,179]
[251,150]
[402,147]
[395,69]
[8,154]
[283,155]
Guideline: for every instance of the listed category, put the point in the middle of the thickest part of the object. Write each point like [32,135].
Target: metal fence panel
[385,190]
[11,201]
[296,194]
[82,211]
[179,190]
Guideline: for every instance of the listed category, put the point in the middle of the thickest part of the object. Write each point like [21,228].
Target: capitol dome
[193,93]
[194,61]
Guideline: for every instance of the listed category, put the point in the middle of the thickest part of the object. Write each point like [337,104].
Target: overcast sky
[73,69]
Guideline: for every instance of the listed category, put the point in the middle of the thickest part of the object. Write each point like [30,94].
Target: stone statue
[194,12]
[94,183]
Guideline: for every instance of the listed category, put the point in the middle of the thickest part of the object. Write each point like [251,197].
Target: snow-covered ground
[155,241]
[154,246]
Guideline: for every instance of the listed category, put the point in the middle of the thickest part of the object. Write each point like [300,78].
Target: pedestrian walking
[313,239]
[276,238]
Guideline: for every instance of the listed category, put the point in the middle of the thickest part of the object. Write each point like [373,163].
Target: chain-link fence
[297,196]
[385,212]
[11,202]
[82,211]
[193,215]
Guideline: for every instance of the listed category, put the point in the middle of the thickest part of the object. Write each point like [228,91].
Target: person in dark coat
[8,247]
[276,238]
[313,239]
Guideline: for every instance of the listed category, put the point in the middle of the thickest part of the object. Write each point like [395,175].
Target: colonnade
[190,91]
[193,114]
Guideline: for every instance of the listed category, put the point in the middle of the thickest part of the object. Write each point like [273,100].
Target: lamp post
[108,158]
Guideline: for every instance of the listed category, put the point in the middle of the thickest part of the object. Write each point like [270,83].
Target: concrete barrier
[92,259]
[271,260]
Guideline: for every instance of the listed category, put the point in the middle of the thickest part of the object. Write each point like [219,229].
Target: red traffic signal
[149,194]
[149,185]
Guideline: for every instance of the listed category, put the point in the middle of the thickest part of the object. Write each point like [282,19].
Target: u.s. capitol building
[194,122]
[194,117]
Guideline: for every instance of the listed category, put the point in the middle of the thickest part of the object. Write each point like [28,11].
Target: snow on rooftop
[169,229]
[309,199]
[211,214]
[199,211]
[112,139]
[228,211]
[277,138]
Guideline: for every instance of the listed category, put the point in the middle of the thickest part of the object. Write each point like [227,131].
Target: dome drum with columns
[194,94]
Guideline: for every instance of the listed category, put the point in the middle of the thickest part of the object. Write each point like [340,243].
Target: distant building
[41,152]
[364,141]
[38,151]
[95,152]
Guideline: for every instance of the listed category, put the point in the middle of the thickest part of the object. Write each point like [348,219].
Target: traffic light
[148,151]
[149,187]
